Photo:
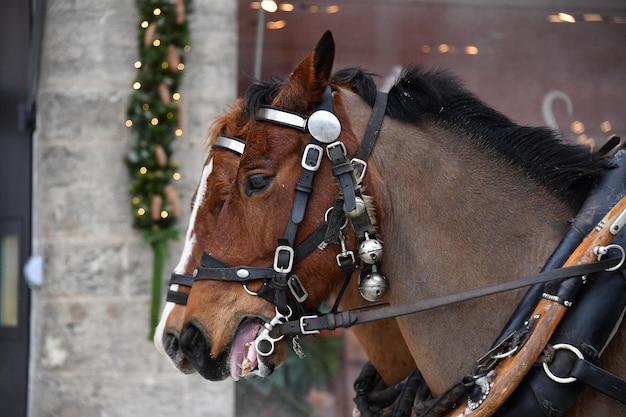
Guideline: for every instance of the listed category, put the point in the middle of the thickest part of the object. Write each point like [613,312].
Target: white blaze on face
[190,240]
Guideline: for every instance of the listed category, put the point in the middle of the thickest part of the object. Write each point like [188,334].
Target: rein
[313,324]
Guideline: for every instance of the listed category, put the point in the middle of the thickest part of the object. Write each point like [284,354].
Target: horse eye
[257,183]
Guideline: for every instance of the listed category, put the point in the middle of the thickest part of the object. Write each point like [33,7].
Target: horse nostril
[194,344]
[171,344]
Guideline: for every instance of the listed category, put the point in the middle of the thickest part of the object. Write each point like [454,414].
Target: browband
[230,143]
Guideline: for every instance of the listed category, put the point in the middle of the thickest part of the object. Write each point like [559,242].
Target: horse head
[254,269]
[218,174]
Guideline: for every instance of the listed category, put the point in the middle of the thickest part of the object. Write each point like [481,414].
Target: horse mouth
[245,362]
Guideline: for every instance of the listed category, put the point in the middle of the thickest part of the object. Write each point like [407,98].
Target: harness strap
[348,318]
[371,134]
[608,384]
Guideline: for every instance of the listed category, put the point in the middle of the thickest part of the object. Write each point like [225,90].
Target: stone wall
[90,355]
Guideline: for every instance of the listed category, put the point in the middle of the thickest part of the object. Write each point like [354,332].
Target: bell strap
[311,324]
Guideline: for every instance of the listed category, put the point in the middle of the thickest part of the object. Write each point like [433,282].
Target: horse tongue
[243,358]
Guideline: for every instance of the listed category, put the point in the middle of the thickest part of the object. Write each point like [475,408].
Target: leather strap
[350,318]
[599,379]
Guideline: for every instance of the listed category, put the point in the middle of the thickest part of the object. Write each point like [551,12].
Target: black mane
[437,96]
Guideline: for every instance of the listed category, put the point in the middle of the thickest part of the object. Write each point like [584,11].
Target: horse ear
[311,76]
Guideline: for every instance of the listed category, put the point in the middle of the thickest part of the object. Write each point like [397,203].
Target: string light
[153,113]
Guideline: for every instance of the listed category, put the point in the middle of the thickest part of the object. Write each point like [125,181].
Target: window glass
[9,279]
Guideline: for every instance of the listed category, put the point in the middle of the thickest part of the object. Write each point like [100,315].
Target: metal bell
[373,286]
[371,251]
[359,209]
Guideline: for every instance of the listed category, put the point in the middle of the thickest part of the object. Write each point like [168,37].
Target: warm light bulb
[136,85]
[156,11]
[137,64]
[141,211]
[176,96]
[156,42]
[145,24]
[471,50]
[179,132]
[565,17]
[164,214]
[154,121]
[269,6]
[143,170]
[176,176]
[129,123]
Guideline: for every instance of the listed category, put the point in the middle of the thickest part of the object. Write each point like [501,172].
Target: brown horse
[464,198]
[379,339]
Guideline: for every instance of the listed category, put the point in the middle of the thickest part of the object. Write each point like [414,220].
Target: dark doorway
[15,206]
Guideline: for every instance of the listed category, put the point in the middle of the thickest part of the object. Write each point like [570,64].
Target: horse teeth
[245,367]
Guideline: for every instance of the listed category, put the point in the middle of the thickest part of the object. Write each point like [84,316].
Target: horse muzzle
[240,359]
[196,346]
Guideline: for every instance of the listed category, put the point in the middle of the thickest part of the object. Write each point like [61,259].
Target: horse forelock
[232,123]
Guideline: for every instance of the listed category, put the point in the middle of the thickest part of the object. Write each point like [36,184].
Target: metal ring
[505,354]
[603,250]
[249,291]
[326,218]
[555,378]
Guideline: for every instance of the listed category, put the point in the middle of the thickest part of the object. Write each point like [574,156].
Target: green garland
[153,115]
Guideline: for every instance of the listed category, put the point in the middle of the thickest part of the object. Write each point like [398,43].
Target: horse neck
[454,218]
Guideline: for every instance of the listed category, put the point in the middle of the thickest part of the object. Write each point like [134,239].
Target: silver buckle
[303,325]
[359,167]
[287,249]
[311,148]
[296,287]
[333,145]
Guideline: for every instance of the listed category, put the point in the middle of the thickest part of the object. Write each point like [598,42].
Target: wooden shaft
[511,371]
